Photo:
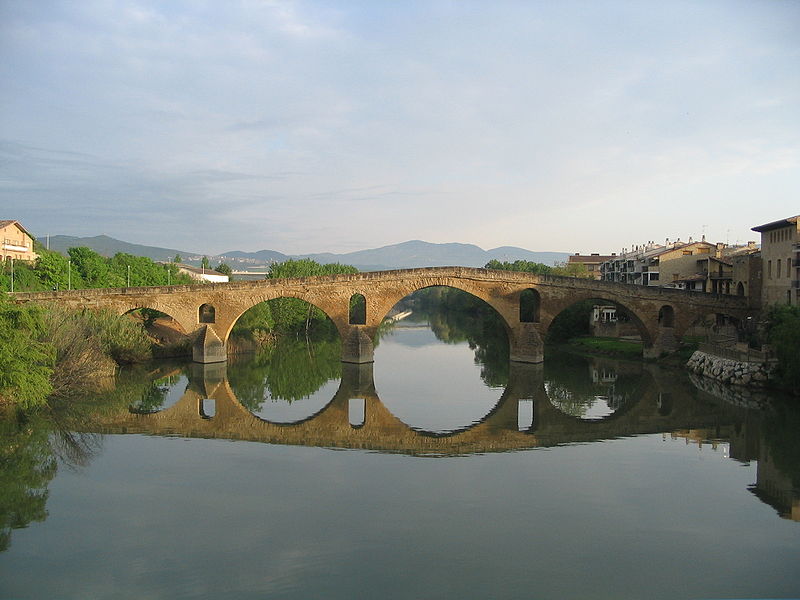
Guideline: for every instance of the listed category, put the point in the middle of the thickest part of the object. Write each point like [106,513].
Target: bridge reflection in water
[525,417]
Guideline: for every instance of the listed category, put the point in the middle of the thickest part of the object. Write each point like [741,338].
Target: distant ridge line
[405,255]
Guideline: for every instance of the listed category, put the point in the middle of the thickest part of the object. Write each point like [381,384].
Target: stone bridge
[662,403]
[527,303]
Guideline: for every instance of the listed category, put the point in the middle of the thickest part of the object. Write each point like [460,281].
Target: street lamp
[129,276]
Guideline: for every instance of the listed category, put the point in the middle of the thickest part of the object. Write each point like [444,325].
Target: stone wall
[726,370]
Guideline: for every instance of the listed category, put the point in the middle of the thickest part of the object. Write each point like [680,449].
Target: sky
[338,126]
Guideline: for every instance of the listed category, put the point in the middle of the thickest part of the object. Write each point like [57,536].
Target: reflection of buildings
[606,321]
[745,444]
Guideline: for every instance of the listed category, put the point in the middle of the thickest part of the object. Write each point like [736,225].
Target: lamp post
[12,274]
[129,276]
[69,274]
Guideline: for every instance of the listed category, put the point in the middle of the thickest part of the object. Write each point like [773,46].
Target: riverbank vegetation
[52,352]
[783,334]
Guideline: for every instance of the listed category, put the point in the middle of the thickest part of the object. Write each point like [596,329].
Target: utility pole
[69,274]
[12,274]
[129,276]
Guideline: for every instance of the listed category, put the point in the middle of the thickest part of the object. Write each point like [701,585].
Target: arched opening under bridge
[599,324]
[441,359]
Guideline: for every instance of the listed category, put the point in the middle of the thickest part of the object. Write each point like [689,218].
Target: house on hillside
[17,243]
[201,274]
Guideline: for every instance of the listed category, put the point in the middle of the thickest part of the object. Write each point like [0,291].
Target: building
[654,264]
[17,243]
[780,261]
[699,266]
[592,262]
[201,274]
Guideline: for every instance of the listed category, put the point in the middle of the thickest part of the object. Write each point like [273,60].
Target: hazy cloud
[311,126]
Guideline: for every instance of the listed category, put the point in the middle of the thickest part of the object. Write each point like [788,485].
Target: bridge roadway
[662,403]
[208,312]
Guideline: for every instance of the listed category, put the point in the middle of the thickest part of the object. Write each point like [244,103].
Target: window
[358,309]
[357,411]
[769,269]
[206,314]
[687,252]
[778,272]
[529,306]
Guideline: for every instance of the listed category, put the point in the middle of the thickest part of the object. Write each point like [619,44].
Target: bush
[25,363]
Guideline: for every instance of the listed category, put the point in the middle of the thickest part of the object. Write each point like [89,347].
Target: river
[441,471]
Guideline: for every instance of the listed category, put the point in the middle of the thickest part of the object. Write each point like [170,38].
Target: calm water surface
[428,475]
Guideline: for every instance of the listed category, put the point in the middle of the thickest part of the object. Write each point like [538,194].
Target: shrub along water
[51,351]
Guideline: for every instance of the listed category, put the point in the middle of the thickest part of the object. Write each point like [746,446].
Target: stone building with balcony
[17,243]
[780,261]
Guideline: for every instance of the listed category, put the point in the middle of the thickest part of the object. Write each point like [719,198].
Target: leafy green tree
[224,268]
[784,335]
[204,262]
[93,268]
[24,275]
[178,259]
[524,266]
[294,314]
[568,269]
[53,271]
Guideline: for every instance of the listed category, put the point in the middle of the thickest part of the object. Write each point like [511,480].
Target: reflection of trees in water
[456,317]
[30,451]
[291,369]
[780,430]
[575,384]
[27,464]
[153,396]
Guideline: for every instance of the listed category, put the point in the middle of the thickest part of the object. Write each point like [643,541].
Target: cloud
[445,121]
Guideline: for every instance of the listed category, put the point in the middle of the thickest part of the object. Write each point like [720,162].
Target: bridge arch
[313,303]
[639,321]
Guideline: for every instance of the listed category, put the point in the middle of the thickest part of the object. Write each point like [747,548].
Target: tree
[52,269]
[204,262]
[178,258]
[92,268]
[224,269]
[784,334]
[568,269]
[524,266]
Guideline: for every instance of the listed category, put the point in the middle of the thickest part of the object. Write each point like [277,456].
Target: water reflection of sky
[279,410]
[429,385]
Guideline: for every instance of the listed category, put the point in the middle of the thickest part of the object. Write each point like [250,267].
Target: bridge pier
[665,343]
[526,344]
[207,347]
[357,346]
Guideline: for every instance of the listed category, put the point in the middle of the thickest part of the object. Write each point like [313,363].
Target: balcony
[15,247]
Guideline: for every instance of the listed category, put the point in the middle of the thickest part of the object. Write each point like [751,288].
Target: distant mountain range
[405,255]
